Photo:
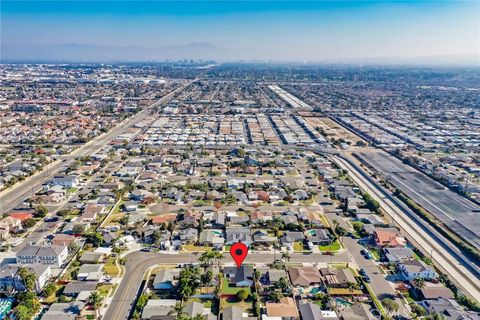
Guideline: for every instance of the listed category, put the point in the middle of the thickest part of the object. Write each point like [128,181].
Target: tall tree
[95,300]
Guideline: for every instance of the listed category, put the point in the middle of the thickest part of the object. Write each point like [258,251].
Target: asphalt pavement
[139,262]
[457,212]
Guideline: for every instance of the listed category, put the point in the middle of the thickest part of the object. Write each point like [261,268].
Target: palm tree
[217,257]
[29,278]
[177,310]
[204,258]
[95,299]
[419,283]
[390,305]
[206,278]
[351,286]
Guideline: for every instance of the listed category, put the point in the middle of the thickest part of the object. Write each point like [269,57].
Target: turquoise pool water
[315,290]
[343,302]
[5,306]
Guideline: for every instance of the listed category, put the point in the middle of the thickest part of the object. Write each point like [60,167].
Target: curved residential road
[139,262]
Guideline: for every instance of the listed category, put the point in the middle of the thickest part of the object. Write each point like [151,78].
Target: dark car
[362,272]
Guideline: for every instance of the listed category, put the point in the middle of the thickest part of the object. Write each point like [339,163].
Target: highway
[457,212]
[139,262]
[14,197]
[457,267]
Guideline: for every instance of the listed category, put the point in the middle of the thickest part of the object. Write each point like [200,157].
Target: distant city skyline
[439,32]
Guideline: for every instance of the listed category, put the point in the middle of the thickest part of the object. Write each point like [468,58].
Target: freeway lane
[457,212]
[139,262]
[439,248]
[16,195]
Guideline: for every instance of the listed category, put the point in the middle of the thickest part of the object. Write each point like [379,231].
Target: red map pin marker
[239,252]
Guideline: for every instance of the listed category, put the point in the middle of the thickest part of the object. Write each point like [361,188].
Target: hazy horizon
[423,31]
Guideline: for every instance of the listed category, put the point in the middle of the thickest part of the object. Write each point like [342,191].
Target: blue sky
[295,30]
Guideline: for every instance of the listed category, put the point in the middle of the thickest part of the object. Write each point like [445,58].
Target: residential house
[50,255]
[312,311]
[261,216]
[130,206]
[159,309]
[10,276]
[337,278]
[22,216]
[239,220]
[290,237]
[188,235]
[433,291]
[262,237]
[166,279]
[388,237]
[274,275]
[357,311]
[87,271]
[319,236]
[398,254]
[240,277]
[140,195]
[62,239]
[449,309]
[11,224]
[65,181]
[232,313]
[218,220]
[194,308]
[240,196]
[113,185]
[73,288]
[371,219]
[165,218]
[412,269]
[286,309]
[136,218]
[64,311]
[300,195]
[288,219]
[213,238]
[304,276]
[191,218]
[91,257]
[234,235]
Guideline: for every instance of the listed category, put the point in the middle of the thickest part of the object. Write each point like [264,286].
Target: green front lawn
[194,248]
[298,246]
[226,289]
[207,303]
[335,246]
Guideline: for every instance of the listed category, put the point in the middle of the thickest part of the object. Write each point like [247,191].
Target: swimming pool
[343,302]
[5,306]
[315,290]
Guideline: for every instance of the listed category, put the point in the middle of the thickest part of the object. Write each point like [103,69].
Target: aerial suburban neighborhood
[124,187]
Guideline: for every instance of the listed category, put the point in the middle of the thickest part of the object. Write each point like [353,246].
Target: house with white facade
[49,255]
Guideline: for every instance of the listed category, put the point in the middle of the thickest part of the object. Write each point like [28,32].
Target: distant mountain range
[74,52]
[96,53]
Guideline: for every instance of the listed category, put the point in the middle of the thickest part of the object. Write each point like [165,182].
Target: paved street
[139,262]
[446,259]
[460,214]
[13,197]
[380,286]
